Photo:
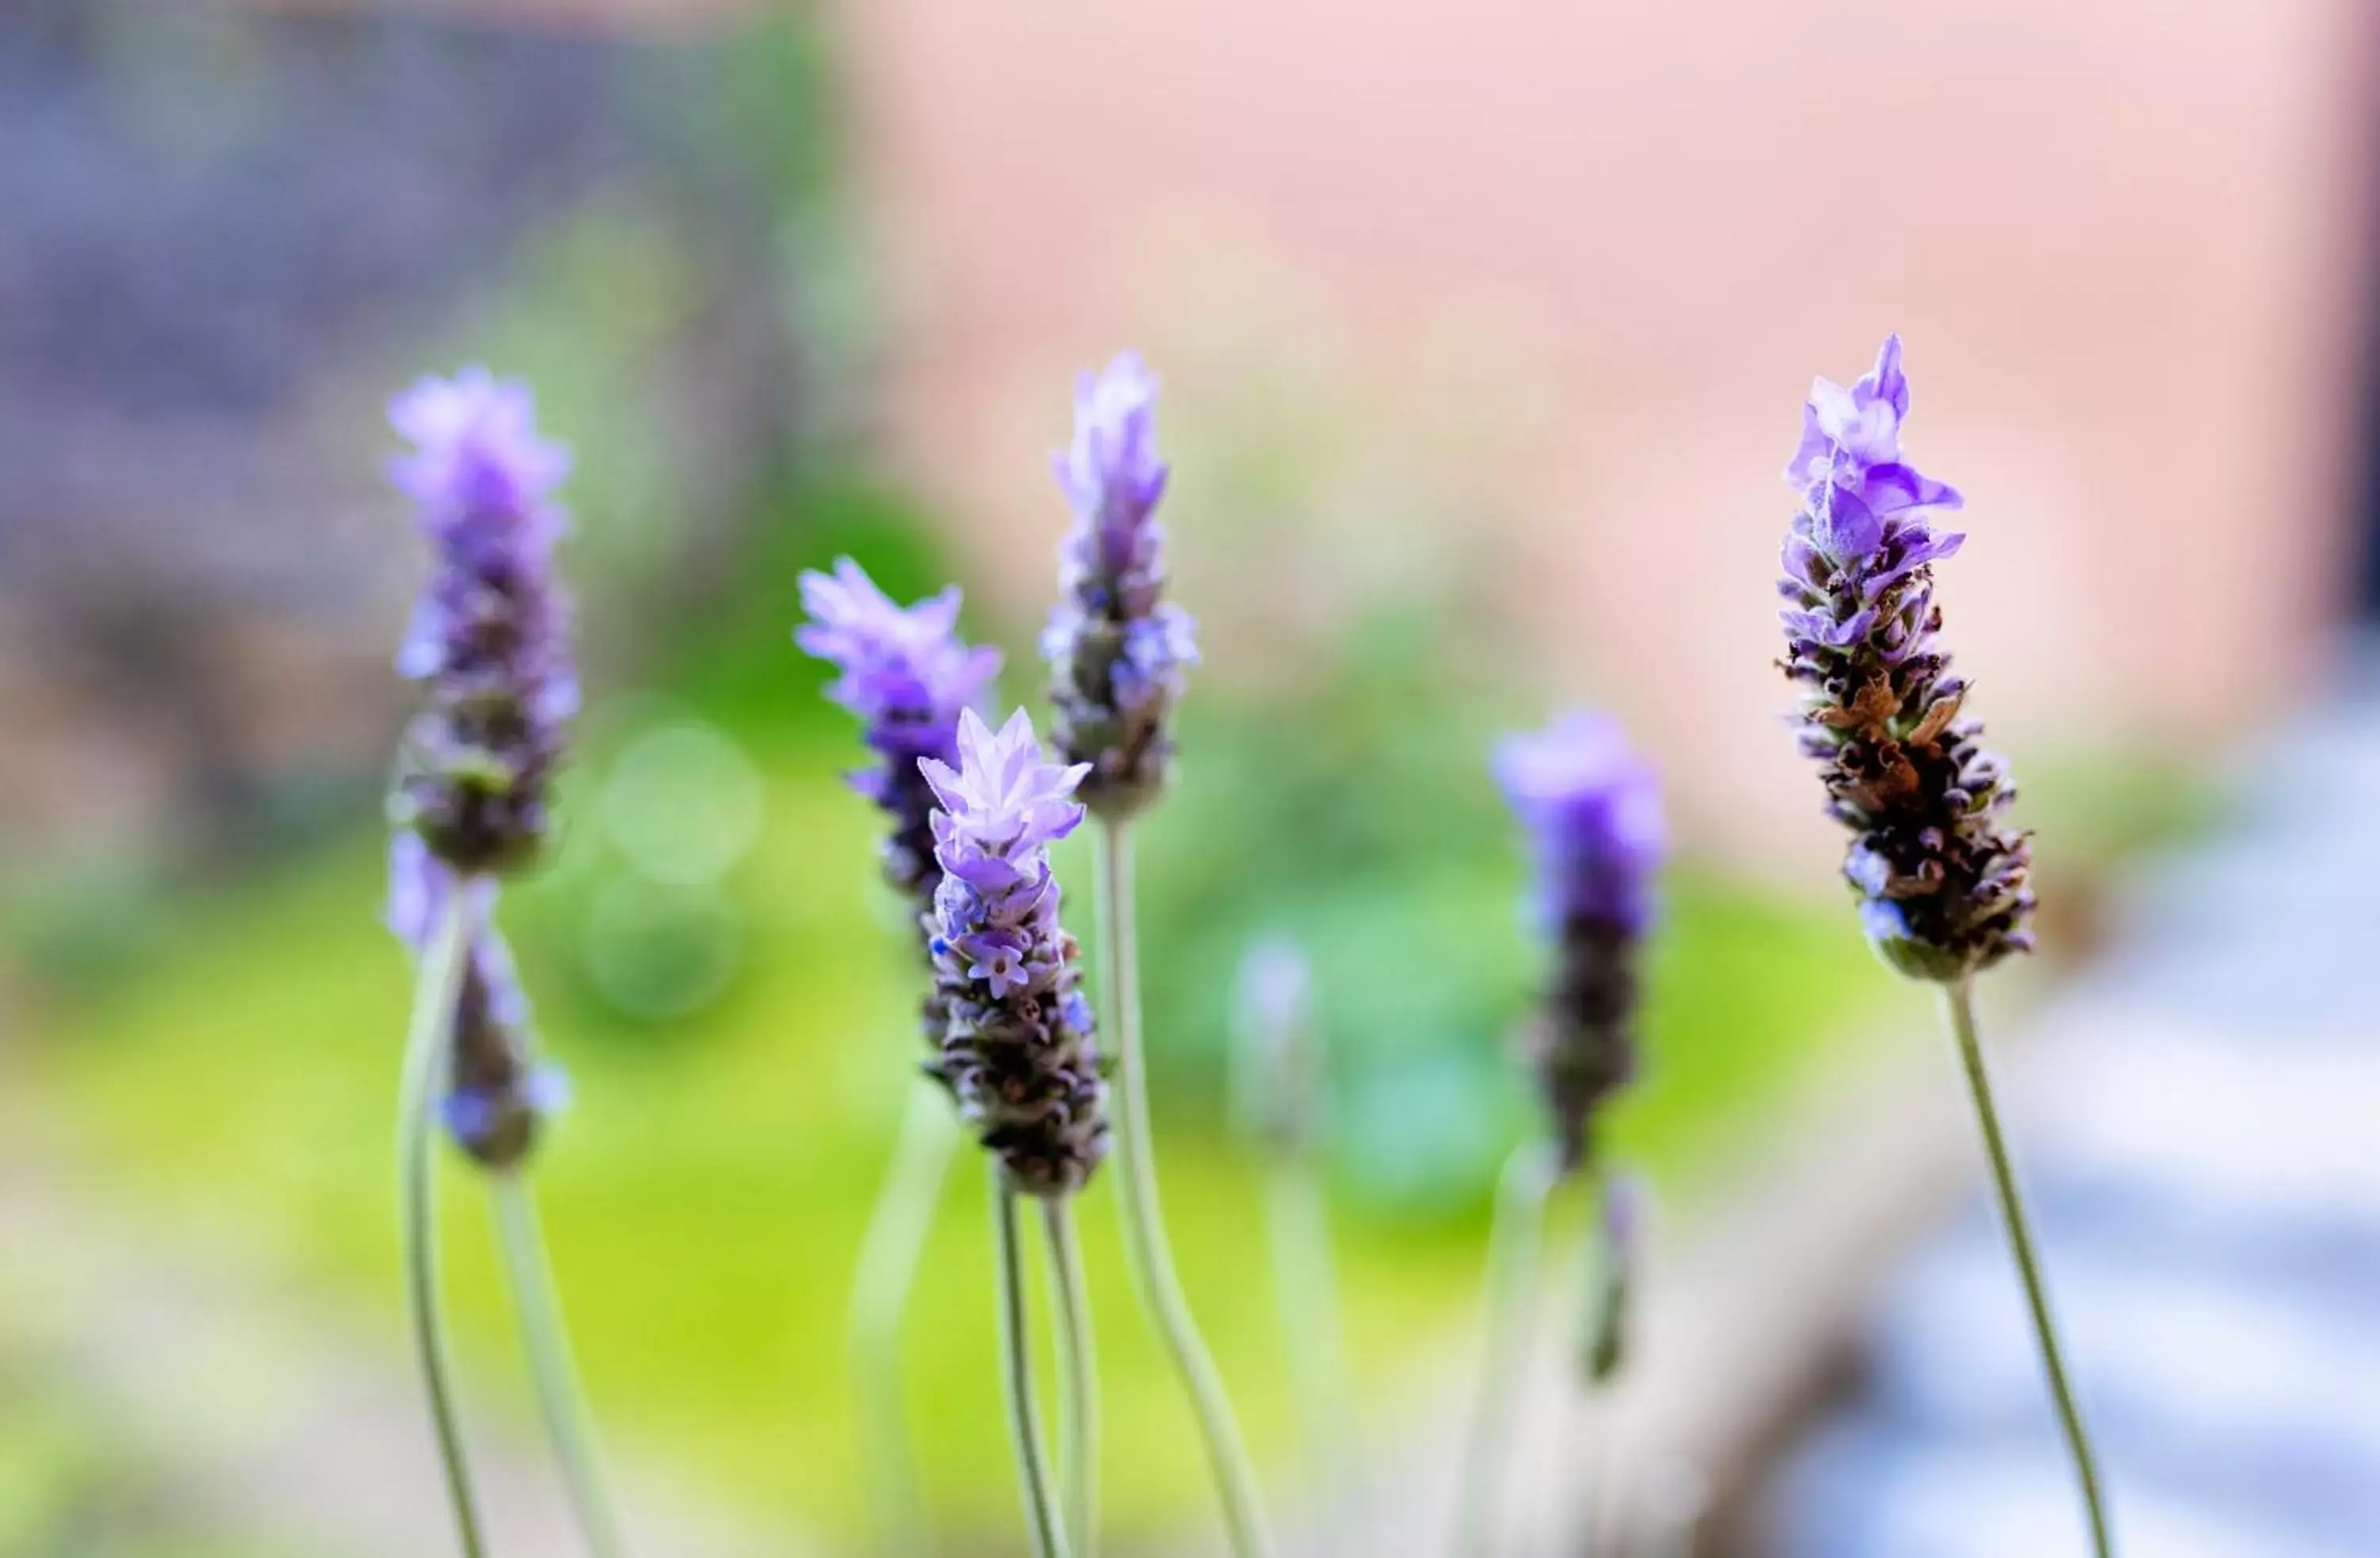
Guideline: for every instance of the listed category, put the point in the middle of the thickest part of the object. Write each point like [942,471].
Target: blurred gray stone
[1861,1491]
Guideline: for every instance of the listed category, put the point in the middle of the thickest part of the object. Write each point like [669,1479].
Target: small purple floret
[1848,468]
[1018,1049]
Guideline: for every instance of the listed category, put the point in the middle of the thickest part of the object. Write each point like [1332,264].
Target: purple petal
[1894,488]
[1843,526]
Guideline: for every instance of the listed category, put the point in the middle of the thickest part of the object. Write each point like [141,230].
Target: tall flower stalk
[1592,810]
[1944,884]
[1278,1085]
[906,675]
[1117,651]
[1019,1052]
[436,990]
[488,646]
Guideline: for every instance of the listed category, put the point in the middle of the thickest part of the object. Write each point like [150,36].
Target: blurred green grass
[705,1196]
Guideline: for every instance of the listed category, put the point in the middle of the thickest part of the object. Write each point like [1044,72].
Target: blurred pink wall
[1565,271]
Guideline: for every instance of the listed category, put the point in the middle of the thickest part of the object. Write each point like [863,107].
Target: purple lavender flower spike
[1018,1050]
[1944,884]
[1117,649]
[906,674]
[488,637]
[497,1094]
[1592,809]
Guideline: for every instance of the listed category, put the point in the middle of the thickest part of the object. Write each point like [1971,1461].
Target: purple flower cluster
[907,675]
[1593,813]
[1019,1051]
[1944,884]
[487,639]
[496,1094]
[1116,649]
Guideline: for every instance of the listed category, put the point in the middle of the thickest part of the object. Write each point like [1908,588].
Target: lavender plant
[1943,883]
[906,675]
[1118,652]
[1018,1050]
[1592,811]
[471,802]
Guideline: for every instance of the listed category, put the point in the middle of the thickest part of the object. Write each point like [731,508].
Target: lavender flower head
[1944,884]
[1018,1050]
[1277,1058]
[1592,809]
[497,1096]
[487,639]
[1116,649]
[907,675]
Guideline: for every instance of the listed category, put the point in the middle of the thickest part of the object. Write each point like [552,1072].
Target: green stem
[427,1055]
[1513,1246]
[1305,1286]
[1042,1523]
[546,1336]
[1149,1256]
[889,1257]
[1589,1429]
[1959,1006]
[1079,1379]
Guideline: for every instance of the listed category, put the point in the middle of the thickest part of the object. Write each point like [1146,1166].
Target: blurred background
[1483,331]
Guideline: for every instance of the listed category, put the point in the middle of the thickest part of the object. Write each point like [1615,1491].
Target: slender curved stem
[1589,1430]
[1298,1217]
[1149,1258]
[1079,1379]
[889,1257]
[427,1048]
[1514,1245]
[1042,1522]
[546,1336]
[1959,1007]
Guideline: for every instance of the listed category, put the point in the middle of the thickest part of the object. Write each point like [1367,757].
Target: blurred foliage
[75,1482]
